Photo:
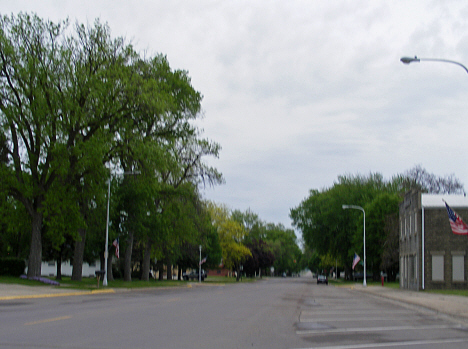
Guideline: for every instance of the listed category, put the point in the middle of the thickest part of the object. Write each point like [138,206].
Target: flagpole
[106,249]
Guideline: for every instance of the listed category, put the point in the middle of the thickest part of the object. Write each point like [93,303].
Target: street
[273,313]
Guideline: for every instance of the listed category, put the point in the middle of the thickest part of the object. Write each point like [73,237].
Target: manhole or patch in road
[303,326]
[310,302]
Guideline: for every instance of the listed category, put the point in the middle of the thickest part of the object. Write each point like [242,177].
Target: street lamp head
[408,60]
[345,207]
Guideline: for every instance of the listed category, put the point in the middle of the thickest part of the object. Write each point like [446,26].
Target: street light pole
[408,60]
[354,207]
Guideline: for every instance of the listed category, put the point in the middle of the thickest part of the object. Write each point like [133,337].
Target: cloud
[300,92]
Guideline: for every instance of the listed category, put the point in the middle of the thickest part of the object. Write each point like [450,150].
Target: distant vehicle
[360,276]
[284,275]
[194,275]
[321,279]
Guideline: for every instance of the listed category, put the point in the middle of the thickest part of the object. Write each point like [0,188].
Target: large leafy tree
[325,227]
[286,252]
[30,56]
[256,240]
[159,140]
[72,102]
[59,98]
[231,237]
[335,234]
[378,211]
[261,259]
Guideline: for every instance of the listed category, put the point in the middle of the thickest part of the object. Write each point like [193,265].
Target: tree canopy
[334,234]
[74,102]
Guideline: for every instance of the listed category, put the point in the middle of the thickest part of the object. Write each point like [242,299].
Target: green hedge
[12,266]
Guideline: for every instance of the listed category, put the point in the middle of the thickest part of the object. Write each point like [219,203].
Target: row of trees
[332,235]
[78,107]
[255,246]
[82,113]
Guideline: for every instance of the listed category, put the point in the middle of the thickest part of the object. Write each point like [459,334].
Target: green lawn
[463,293]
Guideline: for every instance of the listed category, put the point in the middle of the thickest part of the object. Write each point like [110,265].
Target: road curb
[64,294]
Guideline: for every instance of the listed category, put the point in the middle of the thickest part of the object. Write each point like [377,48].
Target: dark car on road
[194,275]
[321,279]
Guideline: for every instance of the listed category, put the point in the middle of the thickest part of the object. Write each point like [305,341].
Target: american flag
[116,244]
[356,260]
[202,261]
[458,226]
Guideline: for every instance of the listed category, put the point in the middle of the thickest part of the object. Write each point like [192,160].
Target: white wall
[50,268]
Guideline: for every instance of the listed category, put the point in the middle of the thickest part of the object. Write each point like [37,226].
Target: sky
[298,93]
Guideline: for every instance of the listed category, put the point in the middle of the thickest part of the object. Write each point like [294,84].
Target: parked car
[322,279]
[194,275]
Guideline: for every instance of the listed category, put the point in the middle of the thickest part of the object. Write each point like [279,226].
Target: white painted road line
[393,344]
[354,319]
[376,329]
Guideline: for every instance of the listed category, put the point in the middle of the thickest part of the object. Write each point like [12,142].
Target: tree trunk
[169,269]
[179,273]
[161,270]
[35,251]
[145,267]
[128,258]
[78,254]
[59,266]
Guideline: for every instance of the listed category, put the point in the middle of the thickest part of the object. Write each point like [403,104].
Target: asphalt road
[275,313]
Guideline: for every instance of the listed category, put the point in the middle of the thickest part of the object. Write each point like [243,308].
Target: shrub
[12,266]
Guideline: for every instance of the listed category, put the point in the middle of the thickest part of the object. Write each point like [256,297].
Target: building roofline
[437,200]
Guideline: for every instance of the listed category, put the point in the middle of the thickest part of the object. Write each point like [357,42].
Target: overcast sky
[300,92]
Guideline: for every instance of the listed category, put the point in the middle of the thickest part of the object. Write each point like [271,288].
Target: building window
[402,268]
[411,268]
[415,223]
[458,268]
[92,264]
[437,268]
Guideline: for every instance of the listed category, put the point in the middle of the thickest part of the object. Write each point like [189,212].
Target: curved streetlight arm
[408,60]
[353,207]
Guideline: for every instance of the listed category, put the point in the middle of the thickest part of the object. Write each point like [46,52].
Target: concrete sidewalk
[453,306]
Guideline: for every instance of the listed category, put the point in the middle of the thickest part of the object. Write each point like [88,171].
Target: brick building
[431,255]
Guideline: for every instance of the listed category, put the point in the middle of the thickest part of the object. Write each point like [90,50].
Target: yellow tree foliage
[231,236]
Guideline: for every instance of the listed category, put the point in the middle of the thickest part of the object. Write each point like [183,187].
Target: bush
[12,266]
[116,272]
